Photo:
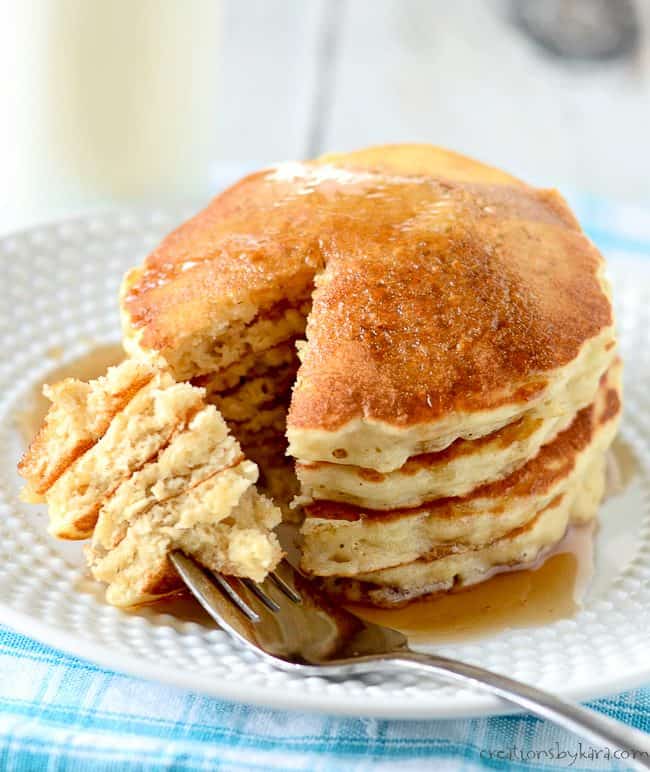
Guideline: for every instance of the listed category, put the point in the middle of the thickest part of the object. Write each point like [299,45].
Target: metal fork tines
[200,583]
[294,625]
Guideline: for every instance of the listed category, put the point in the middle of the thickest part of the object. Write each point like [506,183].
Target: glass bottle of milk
[107,101]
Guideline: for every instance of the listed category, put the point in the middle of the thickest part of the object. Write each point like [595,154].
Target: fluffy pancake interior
[79,416]
[203,449]
[253,396]
[222,522]
[342,540]
[135,435]
[400,584]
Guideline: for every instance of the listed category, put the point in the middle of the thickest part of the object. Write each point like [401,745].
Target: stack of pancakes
[457,384]
[434,336]
[390,555]
[141,465]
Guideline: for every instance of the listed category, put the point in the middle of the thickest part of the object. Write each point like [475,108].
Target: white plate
[59,290]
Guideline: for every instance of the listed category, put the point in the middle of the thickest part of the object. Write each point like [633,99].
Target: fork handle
[587,723]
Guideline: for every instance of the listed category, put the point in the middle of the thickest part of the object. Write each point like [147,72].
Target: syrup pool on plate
[551,589]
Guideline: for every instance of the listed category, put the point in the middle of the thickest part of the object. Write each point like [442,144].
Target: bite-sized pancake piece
[165,474]
[343,540]
[517,549]
[79,415]
[222,522]
[202,450]
[136,435]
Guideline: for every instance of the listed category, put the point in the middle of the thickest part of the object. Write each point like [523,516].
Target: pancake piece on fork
[165,474]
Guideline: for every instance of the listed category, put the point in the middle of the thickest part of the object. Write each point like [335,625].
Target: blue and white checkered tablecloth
[59,713]
[62,714]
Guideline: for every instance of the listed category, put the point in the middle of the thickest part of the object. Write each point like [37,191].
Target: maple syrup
[542,593]
[182,607]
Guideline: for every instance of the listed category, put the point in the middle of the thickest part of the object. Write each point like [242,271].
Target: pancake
[222,522]
[79,415]
[520,548]
[343,540]
[165,474]
[434,337]
[422,278]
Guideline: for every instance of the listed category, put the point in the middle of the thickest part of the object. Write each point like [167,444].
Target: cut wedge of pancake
[342,540]
[165,474]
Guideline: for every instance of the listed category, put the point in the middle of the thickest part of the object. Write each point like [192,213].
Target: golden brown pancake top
[442,285]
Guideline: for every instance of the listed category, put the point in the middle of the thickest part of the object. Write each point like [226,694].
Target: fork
[294,626]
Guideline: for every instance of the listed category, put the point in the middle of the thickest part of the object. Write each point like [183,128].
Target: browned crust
[163,581]
[81,528]
[446,285]
[458,320]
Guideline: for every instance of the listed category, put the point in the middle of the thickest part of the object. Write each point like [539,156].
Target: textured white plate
[59,287]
